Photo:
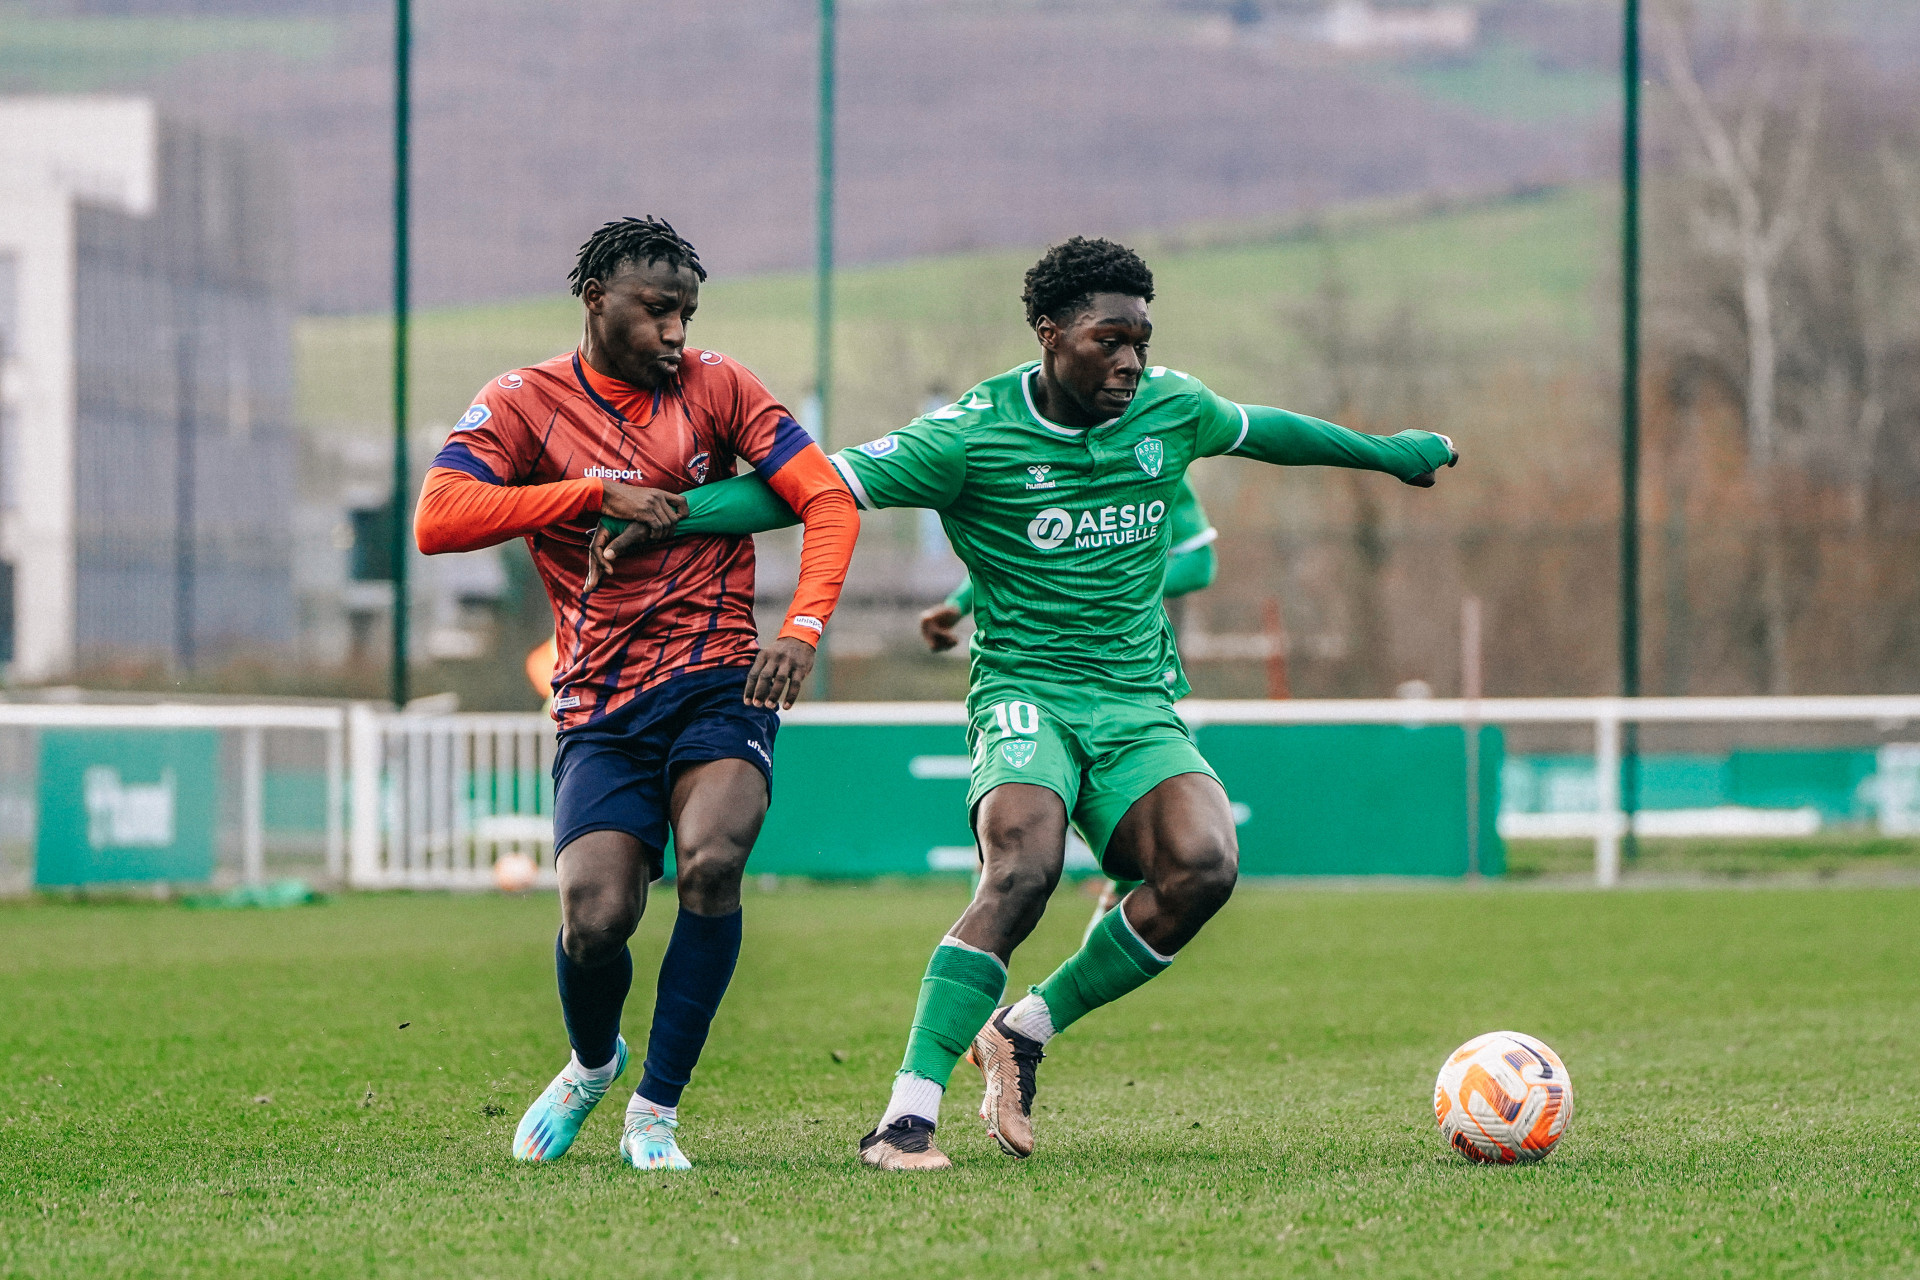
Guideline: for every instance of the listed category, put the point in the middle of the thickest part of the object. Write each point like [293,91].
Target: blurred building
[1357,26]
[146,445]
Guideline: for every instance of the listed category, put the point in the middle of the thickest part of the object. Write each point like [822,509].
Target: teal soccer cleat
[650,1142]
[553,1121]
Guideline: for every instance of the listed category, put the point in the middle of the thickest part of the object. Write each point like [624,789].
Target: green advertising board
[864,800]
[1357,799]
[121,805]
[867,800]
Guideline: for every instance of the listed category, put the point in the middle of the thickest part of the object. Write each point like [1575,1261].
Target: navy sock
[590,1001]
[693,976]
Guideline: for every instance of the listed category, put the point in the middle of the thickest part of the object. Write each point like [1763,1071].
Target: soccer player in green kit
[1054,482]
[1190,568]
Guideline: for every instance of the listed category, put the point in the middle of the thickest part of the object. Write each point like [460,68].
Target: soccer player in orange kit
[666,702]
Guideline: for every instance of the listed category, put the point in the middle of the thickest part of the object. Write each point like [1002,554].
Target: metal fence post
[253,786]
[363,772]
[1606,763]
[336,802]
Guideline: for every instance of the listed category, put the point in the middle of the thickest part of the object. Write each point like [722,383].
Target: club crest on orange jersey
[697,467]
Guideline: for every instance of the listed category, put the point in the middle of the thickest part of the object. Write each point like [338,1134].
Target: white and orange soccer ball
[1503,1098]
[514,872]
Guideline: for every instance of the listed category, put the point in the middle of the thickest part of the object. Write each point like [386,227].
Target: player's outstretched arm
[1295,440]
[735,507]
[461,512]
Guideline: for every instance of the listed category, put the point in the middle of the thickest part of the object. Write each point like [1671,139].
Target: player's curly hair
[1067,277]
[643,240]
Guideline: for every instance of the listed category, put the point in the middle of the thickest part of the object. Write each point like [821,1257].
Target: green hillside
[1508,280]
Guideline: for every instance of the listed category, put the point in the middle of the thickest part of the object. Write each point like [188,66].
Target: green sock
[1110,963]
[957,997]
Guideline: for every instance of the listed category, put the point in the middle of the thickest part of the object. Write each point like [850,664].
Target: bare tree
[1761,207]
[1765,201]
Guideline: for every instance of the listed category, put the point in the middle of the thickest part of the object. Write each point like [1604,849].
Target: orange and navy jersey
[531,458]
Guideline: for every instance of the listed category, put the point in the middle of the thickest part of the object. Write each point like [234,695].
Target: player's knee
[1201,875]
[597,926]
[1021,881]
[713,868]
[1022,836]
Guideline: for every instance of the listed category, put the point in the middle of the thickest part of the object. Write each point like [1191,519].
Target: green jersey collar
[1071,433]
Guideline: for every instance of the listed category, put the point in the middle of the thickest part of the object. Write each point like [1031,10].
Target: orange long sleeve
[809,484]
[460,513]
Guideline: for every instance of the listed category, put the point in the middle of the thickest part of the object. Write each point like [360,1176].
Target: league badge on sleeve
[473,418]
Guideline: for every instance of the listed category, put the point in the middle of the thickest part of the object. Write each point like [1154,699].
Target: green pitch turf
[330,1091]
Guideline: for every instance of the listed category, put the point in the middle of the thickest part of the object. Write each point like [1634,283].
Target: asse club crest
[1150,454]
[1019,753]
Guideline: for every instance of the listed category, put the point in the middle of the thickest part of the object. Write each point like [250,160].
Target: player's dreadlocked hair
[1066,279]
[644,240]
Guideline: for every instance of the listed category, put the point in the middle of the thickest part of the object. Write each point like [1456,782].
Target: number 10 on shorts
[1016,719]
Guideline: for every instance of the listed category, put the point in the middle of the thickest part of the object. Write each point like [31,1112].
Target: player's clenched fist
[937,627]
[778,674]
[1425,479]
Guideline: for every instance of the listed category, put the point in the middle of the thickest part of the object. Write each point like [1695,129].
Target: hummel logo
[1040,481]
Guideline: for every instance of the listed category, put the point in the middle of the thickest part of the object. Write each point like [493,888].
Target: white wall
[54,151]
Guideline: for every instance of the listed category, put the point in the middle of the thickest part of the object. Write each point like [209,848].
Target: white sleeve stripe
[1194,543]
[841,465]
[1244,425]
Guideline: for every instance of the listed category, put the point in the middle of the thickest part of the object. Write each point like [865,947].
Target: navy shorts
[617,773]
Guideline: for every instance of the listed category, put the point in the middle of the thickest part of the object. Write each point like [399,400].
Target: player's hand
[654,511]
[651,515]
[1425,479]
[778,674]
[937,627]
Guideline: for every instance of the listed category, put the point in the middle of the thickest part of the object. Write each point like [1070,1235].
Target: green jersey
[1189,561]
[1066,532]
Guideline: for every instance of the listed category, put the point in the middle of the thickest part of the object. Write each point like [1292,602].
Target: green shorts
[1099,753]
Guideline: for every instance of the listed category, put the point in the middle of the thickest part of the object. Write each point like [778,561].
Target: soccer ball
[514,872]
[1503,1098]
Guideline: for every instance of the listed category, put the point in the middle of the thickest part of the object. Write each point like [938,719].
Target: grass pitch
[330,1091]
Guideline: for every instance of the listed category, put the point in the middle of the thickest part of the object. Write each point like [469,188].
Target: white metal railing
[252,723]
[1606,715]
[437,798]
